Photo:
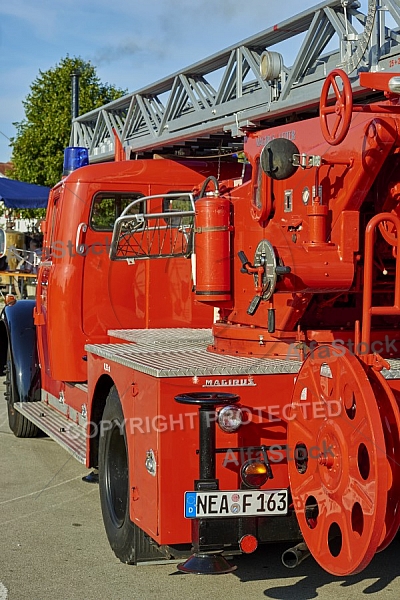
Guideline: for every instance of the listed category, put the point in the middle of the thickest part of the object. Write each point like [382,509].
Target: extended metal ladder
[255,87]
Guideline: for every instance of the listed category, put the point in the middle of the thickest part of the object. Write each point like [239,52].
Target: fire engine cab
[216,327]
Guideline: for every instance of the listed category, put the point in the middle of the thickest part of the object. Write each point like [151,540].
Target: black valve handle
[271,320]
[245,261]
[254,304]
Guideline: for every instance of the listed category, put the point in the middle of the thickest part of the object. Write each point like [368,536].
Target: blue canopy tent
[17,194]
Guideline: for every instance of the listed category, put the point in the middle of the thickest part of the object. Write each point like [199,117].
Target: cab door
[50,227]
[113,291]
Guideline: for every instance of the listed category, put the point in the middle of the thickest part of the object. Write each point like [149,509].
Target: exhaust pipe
[292,557]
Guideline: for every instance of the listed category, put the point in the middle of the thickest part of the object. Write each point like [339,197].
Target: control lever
[245,261]
[249,269]
[271,320]
[254,304]
[265,280]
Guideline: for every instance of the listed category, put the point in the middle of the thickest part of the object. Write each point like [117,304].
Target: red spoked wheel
[390,419]
[335,128]
[341,477]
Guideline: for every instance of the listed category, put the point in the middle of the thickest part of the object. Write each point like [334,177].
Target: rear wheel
[19,425]
[129,543]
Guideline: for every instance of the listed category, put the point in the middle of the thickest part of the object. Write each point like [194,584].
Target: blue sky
[131,43]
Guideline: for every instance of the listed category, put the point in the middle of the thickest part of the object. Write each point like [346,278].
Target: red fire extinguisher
[213,247]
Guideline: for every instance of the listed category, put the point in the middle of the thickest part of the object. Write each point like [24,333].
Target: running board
[66,433]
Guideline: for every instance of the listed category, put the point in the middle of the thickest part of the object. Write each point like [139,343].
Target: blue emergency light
[75,157]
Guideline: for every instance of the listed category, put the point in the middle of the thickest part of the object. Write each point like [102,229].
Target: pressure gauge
[265,257]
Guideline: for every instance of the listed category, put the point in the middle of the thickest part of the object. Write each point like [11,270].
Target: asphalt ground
[53,545]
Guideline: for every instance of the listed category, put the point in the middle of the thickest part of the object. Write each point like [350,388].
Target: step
[66,433]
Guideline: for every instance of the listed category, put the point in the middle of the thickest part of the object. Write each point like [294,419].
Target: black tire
[129,542]
[19,424]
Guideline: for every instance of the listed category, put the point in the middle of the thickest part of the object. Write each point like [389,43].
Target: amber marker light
[230,418]
[254,473]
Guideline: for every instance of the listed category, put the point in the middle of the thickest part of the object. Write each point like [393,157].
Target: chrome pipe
[292,557]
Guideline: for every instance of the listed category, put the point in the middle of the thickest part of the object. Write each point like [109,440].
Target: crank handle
[247,267]
[245,262]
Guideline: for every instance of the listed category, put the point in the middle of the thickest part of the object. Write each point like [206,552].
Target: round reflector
[248,544]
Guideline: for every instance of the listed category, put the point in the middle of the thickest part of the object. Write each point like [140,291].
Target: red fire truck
[220,339]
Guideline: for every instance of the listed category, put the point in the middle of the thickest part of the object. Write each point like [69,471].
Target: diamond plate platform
[66,433]
[394,372]
[183,363]
[183,352]
[170,338]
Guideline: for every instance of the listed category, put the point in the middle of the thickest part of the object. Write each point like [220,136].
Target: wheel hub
[330,464]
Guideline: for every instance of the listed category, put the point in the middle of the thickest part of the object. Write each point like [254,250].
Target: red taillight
[254,473]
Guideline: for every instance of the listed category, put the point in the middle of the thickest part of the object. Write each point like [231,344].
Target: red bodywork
[315,222]
[82,296]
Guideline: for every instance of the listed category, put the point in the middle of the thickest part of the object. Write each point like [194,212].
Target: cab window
[108,206]
[178,204]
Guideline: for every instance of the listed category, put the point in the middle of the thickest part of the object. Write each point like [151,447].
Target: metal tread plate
[183,352]
[172,338]
[66,433]
[171,362]
[394,372]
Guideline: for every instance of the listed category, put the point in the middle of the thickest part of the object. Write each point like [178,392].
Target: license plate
[251,503]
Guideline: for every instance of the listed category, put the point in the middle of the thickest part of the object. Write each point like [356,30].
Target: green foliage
[107,207]
[42,136]
[30,213]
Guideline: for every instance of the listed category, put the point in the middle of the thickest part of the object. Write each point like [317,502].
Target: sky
[131,43]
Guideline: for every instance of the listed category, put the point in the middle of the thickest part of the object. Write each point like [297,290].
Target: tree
[42,136]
